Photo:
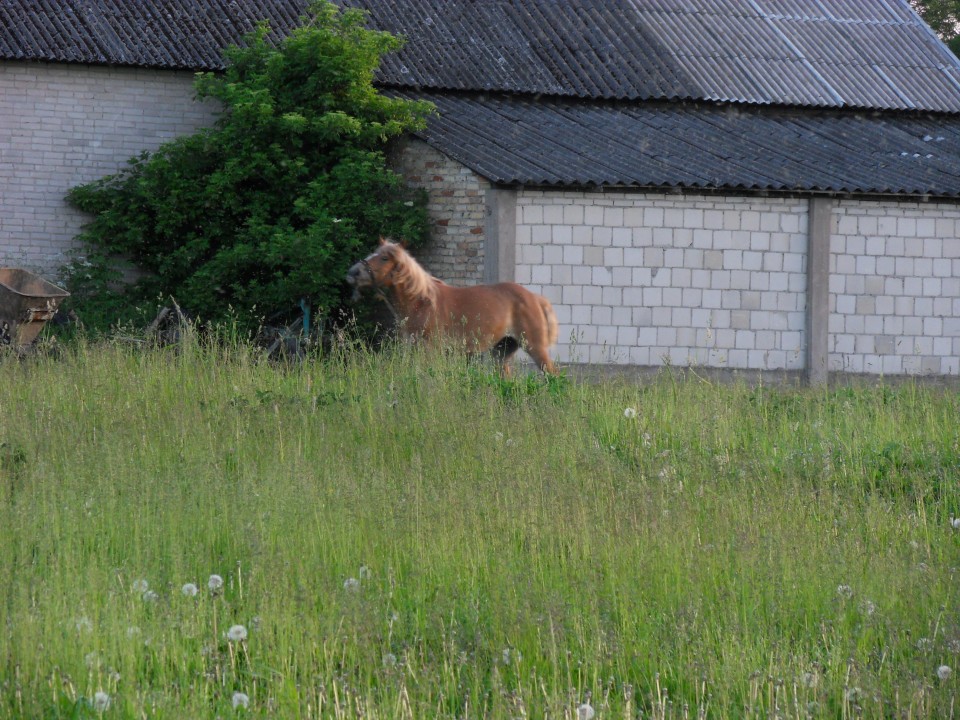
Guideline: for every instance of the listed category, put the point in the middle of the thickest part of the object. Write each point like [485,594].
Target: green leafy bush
[273,202]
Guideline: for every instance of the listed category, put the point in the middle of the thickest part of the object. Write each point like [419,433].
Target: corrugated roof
[512,140]
[820,53]
[154,33]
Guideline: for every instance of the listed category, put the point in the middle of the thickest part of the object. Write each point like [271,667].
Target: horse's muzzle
[357,278]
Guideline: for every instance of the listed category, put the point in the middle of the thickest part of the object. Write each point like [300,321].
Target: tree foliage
[274,201]
[943,16]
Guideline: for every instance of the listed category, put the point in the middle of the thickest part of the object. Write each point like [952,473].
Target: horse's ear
[403,243]
[383,240]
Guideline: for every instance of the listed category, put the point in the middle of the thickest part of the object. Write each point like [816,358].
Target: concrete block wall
[653,279]
[895,288]
[63,125]
[457,211]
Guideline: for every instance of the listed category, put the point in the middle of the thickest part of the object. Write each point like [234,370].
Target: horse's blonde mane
[410,276]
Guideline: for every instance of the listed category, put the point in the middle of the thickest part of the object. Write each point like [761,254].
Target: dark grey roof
[154,33]
[822,53]
[512,140]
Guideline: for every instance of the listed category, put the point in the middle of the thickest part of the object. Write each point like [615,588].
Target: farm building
[764,185]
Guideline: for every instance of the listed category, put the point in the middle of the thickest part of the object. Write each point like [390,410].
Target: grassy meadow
[195,533]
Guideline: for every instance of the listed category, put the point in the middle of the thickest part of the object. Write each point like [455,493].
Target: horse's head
[376,270]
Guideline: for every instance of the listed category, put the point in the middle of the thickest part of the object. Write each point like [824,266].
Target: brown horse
[499,318]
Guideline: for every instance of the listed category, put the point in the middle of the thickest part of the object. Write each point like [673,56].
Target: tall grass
[409,536]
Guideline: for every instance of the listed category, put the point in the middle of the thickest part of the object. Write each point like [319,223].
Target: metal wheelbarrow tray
[27,301]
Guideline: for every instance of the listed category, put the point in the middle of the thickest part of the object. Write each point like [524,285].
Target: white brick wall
[895,288]
[654,279]
[63,125]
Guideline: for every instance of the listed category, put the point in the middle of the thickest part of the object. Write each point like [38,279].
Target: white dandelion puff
[215,583]
[845,591]
[944,672]
[585,712]
[237,633]
[955,522]
[389,659]
[189,589]
[101,701]
[240,700]
[630,413]
[140,586]
[924,644]
[150,596]
[351,584]
[84,625]
[868,607]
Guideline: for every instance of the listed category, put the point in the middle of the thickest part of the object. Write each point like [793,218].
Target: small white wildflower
[215,583]
[955,522]
[337,220]
[389,659]
[240,700]
[237,633]
[585,712]
[630,413]
[944,672]
[845,591]
[140,586]
[351,584]
[84,625]
[101,701]
[189,589]
[150,596]
[408,203]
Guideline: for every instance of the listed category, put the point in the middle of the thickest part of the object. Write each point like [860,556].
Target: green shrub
[273,202]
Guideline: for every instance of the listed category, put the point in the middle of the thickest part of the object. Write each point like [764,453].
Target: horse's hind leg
[541,357]
[503,351]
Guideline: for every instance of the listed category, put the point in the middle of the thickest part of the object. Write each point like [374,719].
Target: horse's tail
[550,317]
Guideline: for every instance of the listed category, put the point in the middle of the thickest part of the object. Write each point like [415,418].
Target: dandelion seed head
[924,644]
[140,586]
[809,679]
[845,591]
[215,583]
[189,589]
[389,659]
[351,585]
[955,522]
[150,596]
[237,633]
[585,712]
[944,672]
[240,700]
[84,625]
[630,413]
[101,701]
[868,607]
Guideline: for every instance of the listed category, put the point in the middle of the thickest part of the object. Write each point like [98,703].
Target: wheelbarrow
[27,301]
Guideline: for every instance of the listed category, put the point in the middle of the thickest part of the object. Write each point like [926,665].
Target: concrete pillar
[820,224]
[500,247]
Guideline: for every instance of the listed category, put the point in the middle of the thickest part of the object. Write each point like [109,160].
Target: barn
[752,185]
